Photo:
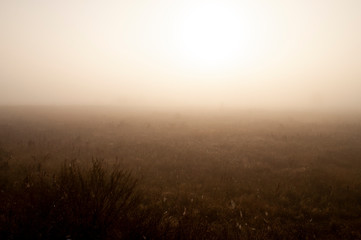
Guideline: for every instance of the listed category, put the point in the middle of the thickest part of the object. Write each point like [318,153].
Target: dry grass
[255,176]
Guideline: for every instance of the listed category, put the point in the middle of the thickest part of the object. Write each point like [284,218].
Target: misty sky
[258,53]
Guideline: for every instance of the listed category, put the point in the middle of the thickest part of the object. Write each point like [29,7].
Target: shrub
[93,203]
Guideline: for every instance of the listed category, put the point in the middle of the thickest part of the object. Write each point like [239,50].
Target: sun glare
[211,35]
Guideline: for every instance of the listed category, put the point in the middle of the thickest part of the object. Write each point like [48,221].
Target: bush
[95,203]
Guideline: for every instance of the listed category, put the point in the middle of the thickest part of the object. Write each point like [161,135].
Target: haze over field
[189,119]
[237,54]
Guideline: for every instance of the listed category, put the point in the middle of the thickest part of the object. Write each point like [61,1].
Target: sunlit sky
[262,54]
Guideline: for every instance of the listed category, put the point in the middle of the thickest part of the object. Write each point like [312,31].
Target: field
[107,173]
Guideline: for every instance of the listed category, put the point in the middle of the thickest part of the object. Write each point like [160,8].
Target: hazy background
[243,54]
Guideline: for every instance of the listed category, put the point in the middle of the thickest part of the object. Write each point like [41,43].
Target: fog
[168,54]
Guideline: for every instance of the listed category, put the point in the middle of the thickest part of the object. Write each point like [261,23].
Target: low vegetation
[101,175]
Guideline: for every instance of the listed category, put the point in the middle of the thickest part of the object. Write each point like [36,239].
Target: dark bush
[95,203]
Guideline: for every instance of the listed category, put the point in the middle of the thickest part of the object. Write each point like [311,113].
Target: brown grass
[240,176]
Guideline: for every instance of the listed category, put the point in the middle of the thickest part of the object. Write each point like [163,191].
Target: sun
[211,35]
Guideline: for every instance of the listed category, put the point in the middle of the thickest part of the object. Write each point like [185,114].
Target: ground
[200,175]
